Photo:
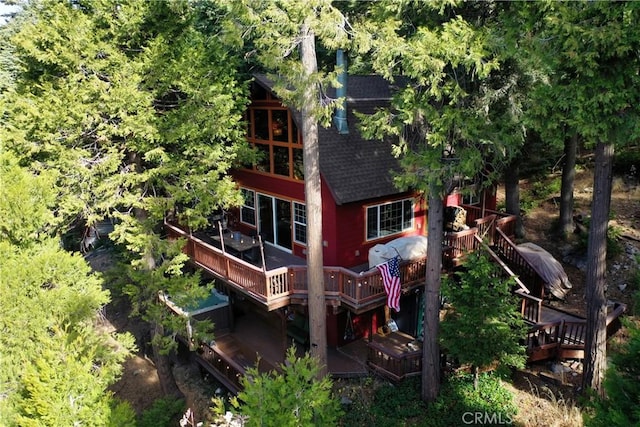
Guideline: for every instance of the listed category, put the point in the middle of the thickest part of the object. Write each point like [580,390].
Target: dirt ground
[625,212]
[139,384]
[536,392]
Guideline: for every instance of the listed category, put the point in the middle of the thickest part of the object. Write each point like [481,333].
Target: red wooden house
[361,205]
[266,283]
[361,208]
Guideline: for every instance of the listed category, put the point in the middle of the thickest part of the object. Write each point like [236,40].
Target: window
[274,134]
[248,209]
[300,222]
[470,199]
[389,218]
[470,193]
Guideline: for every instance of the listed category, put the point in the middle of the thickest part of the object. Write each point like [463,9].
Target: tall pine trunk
[163,367]
[313,199]
[163,364]
[595,363]
[566,190]
[430,347]
[512,195]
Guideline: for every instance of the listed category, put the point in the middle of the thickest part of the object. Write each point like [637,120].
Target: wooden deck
[561,335]
[254,341]
[395,356]
[553,333]
[280,286]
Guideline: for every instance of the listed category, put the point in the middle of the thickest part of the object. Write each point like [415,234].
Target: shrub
[485,325]
[293,397]
[622,387]
[164,412]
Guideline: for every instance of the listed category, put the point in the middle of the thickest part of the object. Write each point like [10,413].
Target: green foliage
[163,413]
[397,402]
[400,404]
[635,286]
[384,404]
[129,112]
[292,397]
[541,189]
[620,407]
[25,202]
[56,363]
[627,162]
[484,325]
[465,96]
[128,120]
[459,399]
[273,31]
[586,51]
[614,247]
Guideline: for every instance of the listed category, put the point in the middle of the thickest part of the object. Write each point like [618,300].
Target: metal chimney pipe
[340,117]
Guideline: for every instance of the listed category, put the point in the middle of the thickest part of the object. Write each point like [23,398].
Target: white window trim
[295,222]
[379,236]
[253,208]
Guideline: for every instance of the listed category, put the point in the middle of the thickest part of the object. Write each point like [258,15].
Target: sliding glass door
[274,221]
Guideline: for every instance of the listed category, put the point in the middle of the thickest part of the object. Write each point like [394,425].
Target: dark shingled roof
[355,169]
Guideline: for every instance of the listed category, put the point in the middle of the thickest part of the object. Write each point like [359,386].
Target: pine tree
[56,363]
[457,116]
[137,109]
[291,397]
[484,324]
[284,35]
[591,51]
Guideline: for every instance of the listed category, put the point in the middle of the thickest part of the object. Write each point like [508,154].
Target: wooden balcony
[359,291]
[553,333]
[279,287]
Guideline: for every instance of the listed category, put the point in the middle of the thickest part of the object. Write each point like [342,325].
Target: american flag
[390,271]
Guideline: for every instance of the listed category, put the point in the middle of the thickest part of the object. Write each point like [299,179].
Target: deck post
[226,260]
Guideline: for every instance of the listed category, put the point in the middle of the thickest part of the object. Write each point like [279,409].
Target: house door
[274,221]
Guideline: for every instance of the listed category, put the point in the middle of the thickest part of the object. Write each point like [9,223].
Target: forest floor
[545,393]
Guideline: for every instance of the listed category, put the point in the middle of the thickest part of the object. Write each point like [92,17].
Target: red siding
[268,184]
[453,199]
[352,245]
[343,227]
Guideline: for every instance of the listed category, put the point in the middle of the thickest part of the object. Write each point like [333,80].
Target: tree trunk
[476,375]
[313,199]
[163,367]
[512,195]
[430,347]
[595,362]
[566,191]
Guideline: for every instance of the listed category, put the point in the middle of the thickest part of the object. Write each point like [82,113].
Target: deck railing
[566,338]
[354,289]
[486,228]
[221,366]
[556,339]
[268,286]
[530,308]
[508,251]
[475,212]
[393,366]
